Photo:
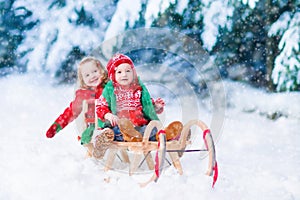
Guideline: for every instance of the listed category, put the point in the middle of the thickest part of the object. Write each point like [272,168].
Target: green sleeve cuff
[101,124]
[59,128]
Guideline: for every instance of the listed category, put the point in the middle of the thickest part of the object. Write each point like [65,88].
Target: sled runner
[175,148]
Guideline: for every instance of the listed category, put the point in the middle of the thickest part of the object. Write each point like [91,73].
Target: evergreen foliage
[248,44]
[286,73]
[66,73]
[13,25]
[190,21]
[259,43]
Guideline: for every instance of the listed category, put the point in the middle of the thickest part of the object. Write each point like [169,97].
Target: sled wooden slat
[149,160]
[124,156]
[110,159]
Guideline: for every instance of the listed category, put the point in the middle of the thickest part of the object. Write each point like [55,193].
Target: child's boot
[103,142]
[173,131]
[130,134]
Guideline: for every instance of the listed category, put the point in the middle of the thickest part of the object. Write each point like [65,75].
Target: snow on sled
[141,155]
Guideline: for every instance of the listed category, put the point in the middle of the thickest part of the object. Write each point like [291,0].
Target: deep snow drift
[258,157]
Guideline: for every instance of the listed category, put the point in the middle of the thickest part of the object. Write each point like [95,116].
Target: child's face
[90,74]
[124,74]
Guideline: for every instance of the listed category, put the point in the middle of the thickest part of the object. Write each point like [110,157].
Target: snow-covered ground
[258,157]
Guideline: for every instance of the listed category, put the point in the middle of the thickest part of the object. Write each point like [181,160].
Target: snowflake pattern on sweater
[128,100]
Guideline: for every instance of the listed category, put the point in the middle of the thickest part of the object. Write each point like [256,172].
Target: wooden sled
[133,154]
[155,153]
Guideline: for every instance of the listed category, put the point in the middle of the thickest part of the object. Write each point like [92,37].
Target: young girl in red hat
[92,78]
[126,97]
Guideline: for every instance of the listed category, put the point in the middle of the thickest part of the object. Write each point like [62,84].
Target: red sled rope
[159,164]
[215,167]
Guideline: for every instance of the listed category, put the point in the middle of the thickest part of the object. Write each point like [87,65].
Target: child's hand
[159,105]
[113,119]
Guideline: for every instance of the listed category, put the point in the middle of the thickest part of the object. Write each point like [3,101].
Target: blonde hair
[104,76]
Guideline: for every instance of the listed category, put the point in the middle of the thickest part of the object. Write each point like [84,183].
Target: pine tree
[286,73]
[248,44]
[13,23]
[190,21]
[67,30]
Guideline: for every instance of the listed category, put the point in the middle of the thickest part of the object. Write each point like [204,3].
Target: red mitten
[52,130]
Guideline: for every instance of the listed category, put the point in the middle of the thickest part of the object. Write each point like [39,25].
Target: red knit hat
[114,62]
